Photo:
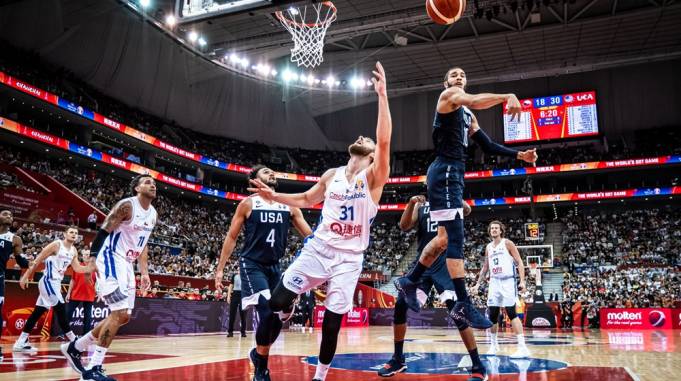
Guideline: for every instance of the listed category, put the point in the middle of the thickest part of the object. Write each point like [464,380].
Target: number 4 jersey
[266,231]
[347,213]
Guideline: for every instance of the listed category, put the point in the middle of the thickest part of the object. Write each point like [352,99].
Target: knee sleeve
[400,311]
[60,310]
[38,311]
[265,317]
[494,314]
[282,298]
[330,329]
[454,230]
[510,311]
[450,304]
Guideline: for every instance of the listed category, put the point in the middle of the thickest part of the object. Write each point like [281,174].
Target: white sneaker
[311,329]
[23,347]
[521,353]
[493,349]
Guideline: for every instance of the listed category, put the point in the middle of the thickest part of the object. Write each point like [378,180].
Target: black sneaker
[261,372]
[407,288]
[467,313]
[243,334]
[230,334]
[478,374]
[392,367]
[95,374]
[72,356]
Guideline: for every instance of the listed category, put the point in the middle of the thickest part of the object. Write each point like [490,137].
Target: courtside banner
[676,318]
[48,97]
[356,317]
[636,318]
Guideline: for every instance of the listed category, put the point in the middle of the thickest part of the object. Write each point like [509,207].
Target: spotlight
[369,83]
[145,3]
[170,20]
[273,73]
[202,41]
[234,58]
[244,62]
[293,11]
[193,36]
[287,75]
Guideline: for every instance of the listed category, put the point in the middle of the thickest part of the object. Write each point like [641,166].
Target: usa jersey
[56,265]
[427,229]
[347,213]
[266,231]
[6,250]
[500,261]
[450,133]
[129,239]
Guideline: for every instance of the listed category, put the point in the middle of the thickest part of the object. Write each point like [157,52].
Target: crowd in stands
[31,68]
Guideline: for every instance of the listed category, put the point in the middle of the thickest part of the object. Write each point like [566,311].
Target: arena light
[170,20]
[357,82]
[244,62]
[369,83]
[193,36]
[234,58]
[330,80]
[202,41]
[287,75]
[293,11]
[145,3]
[273,73]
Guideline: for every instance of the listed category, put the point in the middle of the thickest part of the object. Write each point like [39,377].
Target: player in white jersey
[334,252]
[120,241]
[501,260]
[57,256]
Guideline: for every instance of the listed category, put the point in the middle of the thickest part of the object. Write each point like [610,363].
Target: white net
[308,26]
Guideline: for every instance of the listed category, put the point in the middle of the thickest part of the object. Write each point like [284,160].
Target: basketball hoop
[308,25]
[535,272]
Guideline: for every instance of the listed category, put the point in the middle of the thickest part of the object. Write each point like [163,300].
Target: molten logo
[624,316]
[656,318]
[540,322]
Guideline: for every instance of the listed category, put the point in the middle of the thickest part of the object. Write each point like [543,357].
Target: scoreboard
[554,117]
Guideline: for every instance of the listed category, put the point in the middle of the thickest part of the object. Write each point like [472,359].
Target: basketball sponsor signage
[636,318]
[553,117]
[676,318]
[356,317]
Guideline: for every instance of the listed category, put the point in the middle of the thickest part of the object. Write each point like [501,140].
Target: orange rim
[282,18]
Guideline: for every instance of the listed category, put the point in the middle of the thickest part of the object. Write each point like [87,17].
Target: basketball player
[9,244]
[58,256]
[121,240]
[336,250]
[266,232]
[501,260]
[417,214]
[454,124]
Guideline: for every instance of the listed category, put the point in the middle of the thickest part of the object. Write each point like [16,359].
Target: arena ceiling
[512,41]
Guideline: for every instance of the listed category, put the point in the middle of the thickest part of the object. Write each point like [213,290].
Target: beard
[359,150]
[271,183]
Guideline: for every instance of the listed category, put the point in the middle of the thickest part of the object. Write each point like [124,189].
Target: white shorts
[503,292]
[50,293]
[116,282]
[318,263]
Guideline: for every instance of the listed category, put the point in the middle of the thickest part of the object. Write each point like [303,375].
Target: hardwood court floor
[433,354]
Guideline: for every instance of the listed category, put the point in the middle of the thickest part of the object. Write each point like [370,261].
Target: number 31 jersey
[130,238]
[266,231]
[347,213]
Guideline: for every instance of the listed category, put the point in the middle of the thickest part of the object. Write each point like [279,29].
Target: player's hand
[474,289]
[418,200]
[218,280]
[522,287]
[379,80]
[145,282]
[528,156]
[513,107]
[23,282]
[261,189]
[466,209]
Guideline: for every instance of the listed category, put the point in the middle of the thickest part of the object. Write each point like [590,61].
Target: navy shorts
[445,189]
[257,279]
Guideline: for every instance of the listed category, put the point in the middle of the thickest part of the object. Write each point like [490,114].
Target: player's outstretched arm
[456,96]
[311,197]
[379,171]
[18,245]
[44,253]
[488,146]
[299,222]
[510,246]
[411,215]
[228,245]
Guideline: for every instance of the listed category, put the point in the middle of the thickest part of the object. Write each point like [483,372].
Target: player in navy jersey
[454,124]
[335,253]
[10,243]
[265,236]
[417,214]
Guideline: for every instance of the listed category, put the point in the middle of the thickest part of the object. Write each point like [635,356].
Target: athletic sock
[97,357]
[521,340]
[83,343]
[399,350]
[416,273]
[322,370]
[23,338]
[475,358]
[70,335]
[460,290]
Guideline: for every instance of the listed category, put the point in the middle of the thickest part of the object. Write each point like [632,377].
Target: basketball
[445,12]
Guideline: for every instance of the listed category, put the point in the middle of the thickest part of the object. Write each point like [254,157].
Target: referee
[234,300]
